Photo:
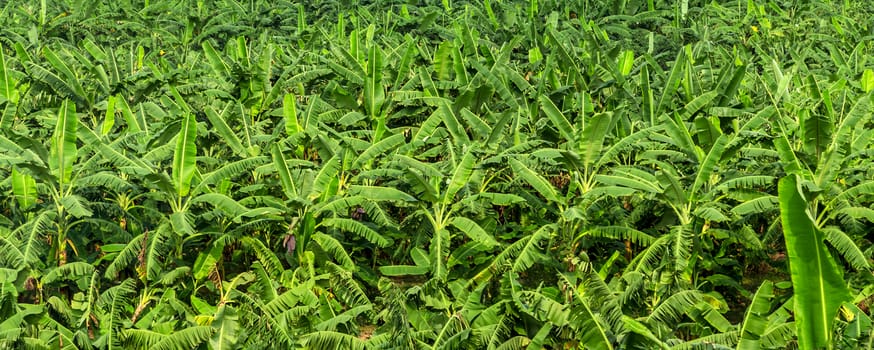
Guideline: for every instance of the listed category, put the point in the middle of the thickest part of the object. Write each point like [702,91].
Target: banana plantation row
[217,174]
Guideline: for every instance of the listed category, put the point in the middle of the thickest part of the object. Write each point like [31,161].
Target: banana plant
[374,97]
[826,143]
[314,200]
[183,190]
[585,155]
[763,327]
[693,198]
[61,171]
[248,68]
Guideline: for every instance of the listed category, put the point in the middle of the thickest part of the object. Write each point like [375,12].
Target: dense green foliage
[491,174]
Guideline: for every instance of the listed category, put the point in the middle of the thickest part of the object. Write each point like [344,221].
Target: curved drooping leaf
[69,271]
[325,176]
[333,340]
[270,262]
[124,257]
[791,163]
[847,248]
[611,152]
[447,115]
[535,180]
[518,256]
[350,225]
[156,253]
[335,248]
[217,63]
[631,178]
[697,104]
[619,232]
[404,270]
[558,119]
[76,206]
[640,328]
[671,310]
[378,148]
[23,247]
[69,88]
[473,231]
[379,193]
[680,136]
[222,202]
[188,338]
[222,128]
[479,127]
[758,205]
[114,154]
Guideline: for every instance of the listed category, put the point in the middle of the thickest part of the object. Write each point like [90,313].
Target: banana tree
[61,172]
[247,69]
[829,143]
[316,200]
[763,327]
[825,152]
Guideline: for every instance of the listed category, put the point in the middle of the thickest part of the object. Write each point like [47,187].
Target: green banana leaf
[818,285]
[184,161]
[63,149]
